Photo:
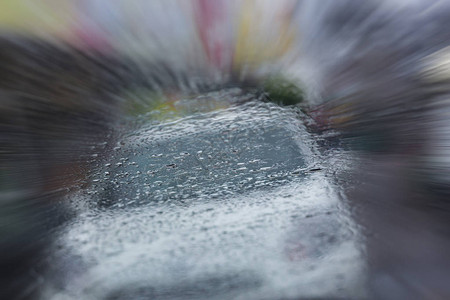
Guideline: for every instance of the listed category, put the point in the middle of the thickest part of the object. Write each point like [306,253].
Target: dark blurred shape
[51,127]
[385,97]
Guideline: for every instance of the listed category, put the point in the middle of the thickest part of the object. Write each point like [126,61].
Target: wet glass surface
[230,204]
[226,149]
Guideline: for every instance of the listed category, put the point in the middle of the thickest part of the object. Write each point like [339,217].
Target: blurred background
[224,149]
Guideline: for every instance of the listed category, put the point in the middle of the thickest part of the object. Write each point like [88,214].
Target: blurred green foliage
[282,91]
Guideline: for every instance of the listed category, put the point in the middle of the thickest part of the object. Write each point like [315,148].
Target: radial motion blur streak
[224,149]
